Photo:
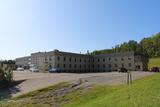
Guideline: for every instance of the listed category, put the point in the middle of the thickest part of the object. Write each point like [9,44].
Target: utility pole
[129,77]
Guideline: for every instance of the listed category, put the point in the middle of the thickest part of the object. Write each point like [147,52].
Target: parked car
[122,70]
[54,70]
[154,69]
[20,69]
[34,70]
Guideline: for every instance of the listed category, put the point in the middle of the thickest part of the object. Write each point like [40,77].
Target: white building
[23,62]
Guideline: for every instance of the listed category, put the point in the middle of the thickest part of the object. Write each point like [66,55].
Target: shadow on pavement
[7,92]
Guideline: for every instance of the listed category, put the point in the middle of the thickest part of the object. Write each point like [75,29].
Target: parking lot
[31,81]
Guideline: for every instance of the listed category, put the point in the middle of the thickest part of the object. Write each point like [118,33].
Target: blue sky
[28,26]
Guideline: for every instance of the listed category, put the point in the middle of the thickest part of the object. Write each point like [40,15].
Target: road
[32,81]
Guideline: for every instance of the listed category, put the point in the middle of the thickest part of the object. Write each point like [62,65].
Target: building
[23,62]
[129,60]
[73,62]
[38,60]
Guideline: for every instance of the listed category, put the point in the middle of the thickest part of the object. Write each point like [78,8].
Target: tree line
[148,46]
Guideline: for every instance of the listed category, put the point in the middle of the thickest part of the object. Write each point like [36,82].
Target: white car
[20,69]
[34,70]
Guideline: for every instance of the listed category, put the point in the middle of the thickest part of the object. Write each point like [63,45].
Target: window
[84,66]
[84,60]
[129,64]
[93,66]
[109,59]
[79,66]
[64,65]
[129,58]
[50,59]
[70,66]
[138,66]
[64,59]
[50,66]
[122,59]
[93,60]
[98,66]
[57,65]
[122,65]
[103,60]
[58,58]
[110,65]
[70,59]
[75,59]
[115,59]
[104,65]
[75,66]
[80,60]
[45,59]
[115,65]
[98,60]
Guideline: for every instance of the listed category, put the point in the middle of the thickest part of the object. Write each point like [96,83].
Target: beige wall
[38,60]
[93,63]
[122,61]
[89,63]
[116,61]
[72,62]
[23,61]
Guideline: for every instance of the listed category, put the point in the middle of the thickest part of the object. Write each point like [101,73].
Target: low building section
[23,62]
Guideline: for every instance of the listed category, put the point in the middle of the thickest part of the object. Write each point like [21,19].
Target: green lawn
[154,62]
[142,93]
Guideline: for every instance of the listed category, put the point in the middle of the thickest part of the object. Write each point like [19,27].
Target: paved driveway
[32,81]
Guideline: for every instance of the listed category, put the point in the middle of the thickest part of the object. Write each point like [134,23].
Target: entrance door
[138,67]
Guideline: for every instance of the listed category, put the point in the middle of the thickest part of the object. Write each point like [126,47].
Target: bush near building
[6,75]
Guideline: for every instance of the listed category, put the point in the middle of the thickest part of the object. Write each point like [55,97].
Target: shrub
[6,75]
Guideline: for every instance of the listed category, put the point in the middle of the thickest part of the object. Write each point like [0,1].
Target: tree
[6,75]
[148,46]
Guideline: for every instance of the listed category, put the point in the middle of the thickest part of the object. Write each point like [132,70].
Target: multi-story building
[128,60]
[73,62]
[23,62]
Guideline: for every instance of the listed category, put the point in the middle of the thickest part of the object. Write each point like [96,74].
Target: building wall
[71,62]
[49,60]
[38,60]
[141,62]
[119,60]
[23,61]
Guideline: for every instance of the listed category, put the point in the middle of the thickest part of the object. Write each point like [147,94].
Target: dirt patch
[52,98]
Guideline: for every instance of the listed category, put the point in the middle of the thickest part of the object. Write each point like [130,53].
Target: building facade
[73,62]
[23,62]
